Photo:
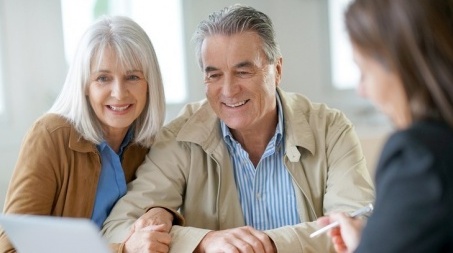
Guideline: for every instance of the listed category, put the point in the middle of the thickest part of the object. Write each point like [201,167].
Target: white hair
[133,50]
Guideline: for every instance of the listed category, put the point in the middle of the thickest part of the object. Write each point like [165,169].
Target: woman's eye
[133,77]
[102,79]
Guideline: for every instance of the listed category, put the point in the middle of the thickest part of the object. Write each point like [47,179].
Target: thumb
[159,228]
[323,221]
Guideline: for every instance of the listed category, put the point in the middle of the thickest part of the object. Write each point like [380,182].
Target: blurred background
[38,39]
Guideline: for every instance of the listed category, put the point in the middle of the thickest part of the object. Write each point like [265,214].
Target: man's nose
[230,85]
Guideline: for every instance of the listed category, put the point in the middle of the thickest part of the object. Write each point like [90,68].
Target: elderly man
[252,167]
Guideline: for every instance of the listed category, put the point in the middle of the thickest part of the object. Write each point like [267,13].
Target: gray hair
[133,50]
[237,19]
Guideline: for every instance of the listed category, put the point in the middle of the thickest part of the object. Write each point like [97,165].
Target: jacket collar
[203,127]
[298,130]
[79,144]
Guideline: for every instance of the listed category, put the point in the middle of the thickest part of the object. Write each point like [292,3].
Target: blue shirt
[112,183]
[266,192]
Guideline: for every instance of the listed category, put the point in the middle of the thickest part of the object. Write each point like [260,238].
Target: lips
[119,108]
[236,104]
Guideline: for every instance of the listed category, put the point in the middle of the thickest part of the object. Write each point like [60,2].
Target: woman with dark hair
[404,49]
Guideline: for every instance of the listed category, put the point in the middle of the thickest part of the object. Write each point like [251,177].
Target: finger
[323,221]
[159,247]
[159,237]
[265,241]
[156,247]
[240,240]
[242,246]
[148,242]
[228,248]
[339,217]
[258,240]
[160,228]
[141,223]
[334,232]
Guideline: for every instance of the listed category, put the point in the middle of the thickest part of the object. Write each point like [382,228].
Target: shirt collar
[127,139]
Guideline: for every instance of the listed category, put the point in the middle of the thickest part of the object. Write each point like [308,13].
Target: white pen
[362,211]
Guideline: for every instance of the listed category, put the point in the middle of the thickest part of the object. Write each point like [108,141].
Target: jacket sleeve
[339,182]
[33,185]
[5,244]
[348,184]
[413,205]
[186,239]
[153,187]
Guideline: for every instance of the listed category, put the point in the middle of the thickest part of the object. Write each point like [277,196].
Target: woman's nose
[119,90]
[361,90]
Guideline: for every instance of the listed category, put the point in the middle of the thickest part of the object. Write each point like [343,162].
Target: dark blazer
[414,193]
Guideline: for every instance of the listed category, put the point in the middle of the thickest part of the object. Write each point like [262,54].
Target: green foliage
[101,7]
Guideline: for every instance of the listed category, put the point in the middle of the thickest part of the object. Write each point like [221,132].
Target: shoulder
[194,116]
[425,137]
[56,128]
[302,116]
[52,122]
[295,105]
[425,147]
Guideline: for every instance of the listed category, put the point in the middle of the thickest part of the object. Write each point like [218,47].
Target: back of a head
[414,39]
[236,19]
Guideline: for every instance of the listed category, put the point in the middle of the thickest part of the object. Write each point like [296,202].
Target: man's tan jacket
[189,169]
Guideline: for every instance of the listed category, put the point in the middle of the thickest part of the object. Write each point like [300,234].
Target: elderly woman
[404,49]
[76,160]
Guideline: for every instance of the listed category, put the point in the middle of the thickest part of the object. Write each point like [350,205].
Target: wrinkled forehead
[231,50]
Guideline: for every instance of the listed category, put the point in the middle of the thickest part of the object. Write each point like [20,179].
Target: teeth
[118,108]
[236,105]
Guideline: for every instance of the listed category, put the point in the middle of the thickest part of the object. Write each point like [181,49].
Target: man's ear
[278,71]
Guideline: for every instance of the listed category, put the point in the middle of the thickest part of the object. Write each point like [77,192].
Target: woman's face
[383,88]
[116,95]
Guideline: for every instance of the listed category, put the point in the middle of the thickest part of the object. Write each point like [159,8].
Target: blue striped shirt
[112,183]
[266,192]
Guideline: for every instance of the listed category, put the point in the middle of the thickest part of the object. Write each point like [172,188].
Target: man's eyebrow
[210,68]
[244,64]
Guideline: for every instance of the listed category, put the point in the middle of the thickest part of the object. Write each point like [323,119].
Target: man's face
[240,82]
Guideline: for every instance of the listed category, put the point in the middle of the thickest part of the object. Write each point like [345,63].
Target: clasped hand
[150,233]
[236,240]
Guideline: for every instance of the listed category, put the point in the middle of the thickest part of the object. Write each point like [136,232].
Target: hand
[155,216]
[151,239]
[236,240]
[345,237]
[150,233]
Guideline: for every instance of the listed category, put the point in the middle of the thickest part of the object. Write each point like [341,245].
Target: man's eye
[213,76]
[244,73]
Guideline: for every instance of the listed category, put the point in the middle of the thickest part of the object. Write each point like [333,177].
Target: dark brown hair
[414,39]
